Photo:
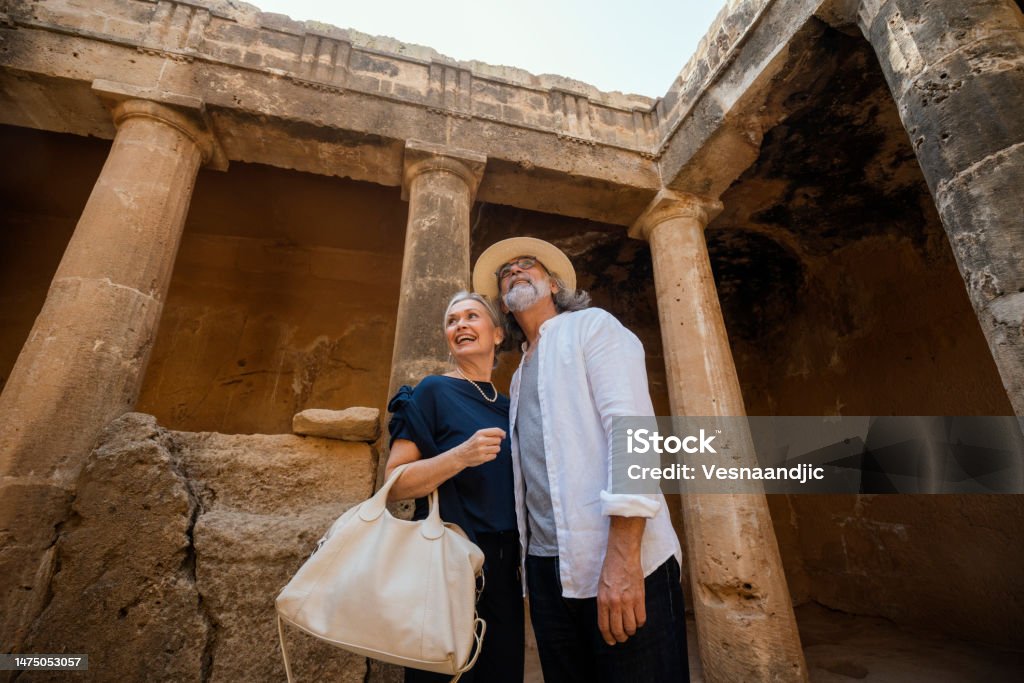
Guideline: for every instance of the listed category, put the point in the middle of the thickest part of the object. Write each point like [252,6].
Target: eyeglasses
[523,262]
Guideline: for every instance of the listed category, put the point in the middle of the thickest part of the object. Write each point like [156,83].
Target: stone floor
[842,648]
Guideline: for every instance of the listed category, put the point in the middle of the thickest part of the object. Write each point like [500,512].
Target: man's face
[523,281]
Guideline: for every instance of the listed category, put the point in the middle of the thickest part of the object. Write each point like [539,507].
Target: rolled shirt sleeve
[618,378]
[628,505]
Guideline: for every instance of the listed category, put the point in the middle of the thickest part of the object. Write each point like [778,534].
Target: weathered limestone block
[124,591]
[274,474]
[350,424]
[179,544]
[22,504]
[266,501]
[243,562]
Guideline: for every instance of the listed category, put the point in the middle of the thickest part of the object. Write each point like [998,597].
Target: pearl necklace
[489,400]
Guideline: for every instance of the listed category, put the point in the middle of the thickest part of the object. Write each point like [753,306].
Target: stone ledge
[351,424]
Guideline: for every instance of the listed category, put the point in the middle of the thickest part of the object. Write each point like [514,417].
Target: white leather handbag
[398,591]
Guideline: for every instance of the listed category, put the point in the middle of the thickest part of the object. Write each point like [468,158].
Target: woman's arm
[423,476]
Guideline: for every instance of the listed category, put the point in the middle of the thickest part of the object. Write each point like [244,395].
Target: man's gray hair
[568,299]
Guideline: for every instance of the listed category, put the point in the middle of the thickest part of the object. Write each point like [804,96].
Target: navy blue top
[438,415]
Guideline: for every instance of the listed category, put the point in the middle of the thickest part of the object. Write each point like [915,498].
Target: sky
[633,46]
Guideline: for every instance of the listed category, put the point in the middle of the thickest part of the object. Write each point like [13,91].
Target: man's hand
[621,608]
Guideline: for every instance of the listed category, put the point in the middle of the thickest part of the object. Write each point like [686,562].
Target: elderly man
[601,568]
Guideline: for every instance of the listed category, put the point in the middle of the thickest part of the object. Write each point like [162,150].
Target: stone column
[83,363]
[745,623]
[440,184]
[956,71]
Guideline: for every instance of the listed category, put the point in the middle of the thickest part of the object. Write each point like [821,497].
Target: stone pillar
[956,71]
[83,362]
[440,184]
[745,623]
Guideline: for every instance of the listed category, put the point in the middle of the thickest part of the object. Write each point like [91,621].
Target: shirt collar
[540,332]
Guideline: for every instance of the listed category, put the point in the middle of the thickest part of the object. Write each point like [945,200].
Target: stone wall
[178,544]
[42,197]
[943,564]
[284,297]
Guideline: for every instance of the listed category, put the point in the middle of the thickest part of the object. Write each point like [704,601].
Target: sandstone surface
[350,424]
[178,544]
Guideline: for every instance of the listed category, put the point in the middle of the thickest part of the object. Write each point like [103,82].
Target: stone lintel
[185,113]
[668,204]
[425,157]
[841,14]
[359,135]
[713,132]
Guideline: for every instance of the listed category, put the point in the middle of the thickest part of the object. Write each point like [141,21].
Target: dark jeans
[571,646]
[501,606]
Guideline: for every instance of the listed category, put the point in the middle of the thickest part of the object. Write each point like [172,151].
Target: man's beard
[520,297]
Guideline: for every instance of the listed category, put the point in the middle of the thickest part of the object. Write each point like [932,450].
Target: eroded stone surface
[124,590]
[178,545]
[350,424]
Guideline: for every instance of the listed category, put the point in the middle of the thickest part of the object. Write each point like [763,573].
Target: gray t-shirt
[532,458]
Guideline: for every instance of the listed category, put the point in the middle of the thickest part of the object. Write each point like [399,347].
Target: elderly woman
[452,429]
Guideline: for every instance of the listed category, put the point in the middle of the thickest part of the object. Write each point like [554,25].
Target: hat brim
[498,254]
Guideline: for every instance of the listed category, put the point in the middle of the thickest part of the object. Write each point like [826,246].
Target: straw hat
[498,254]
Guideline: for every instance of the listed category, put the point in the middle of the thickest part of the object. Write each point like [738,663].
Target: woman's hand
[423,476]
[482,447]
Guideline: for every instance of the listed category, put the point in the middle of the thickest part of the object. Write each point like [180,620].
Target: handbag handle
[431,528]
[479,629]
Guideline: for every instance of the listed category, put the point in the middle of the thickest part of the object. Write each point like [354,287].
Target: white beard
[522,297]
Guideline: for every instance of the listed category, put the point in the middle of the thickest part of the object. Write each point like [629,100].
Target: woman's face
[470,330]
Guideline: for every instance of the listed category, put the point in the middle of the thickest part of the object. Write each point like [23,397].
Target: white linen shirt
[591,370]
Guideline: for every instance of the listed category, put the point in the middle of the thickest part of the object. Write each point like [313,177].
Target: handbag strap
[284,651]
[432,527]
[406,414]
[479,629]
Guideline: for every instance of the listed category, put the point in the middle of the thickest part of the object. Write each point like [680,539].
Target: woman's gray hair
[565,300]
[463,295]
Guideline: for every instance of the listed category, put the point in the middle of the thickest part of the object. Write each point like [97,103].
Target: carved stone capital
[181,112]
[667,205]
[426,157]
